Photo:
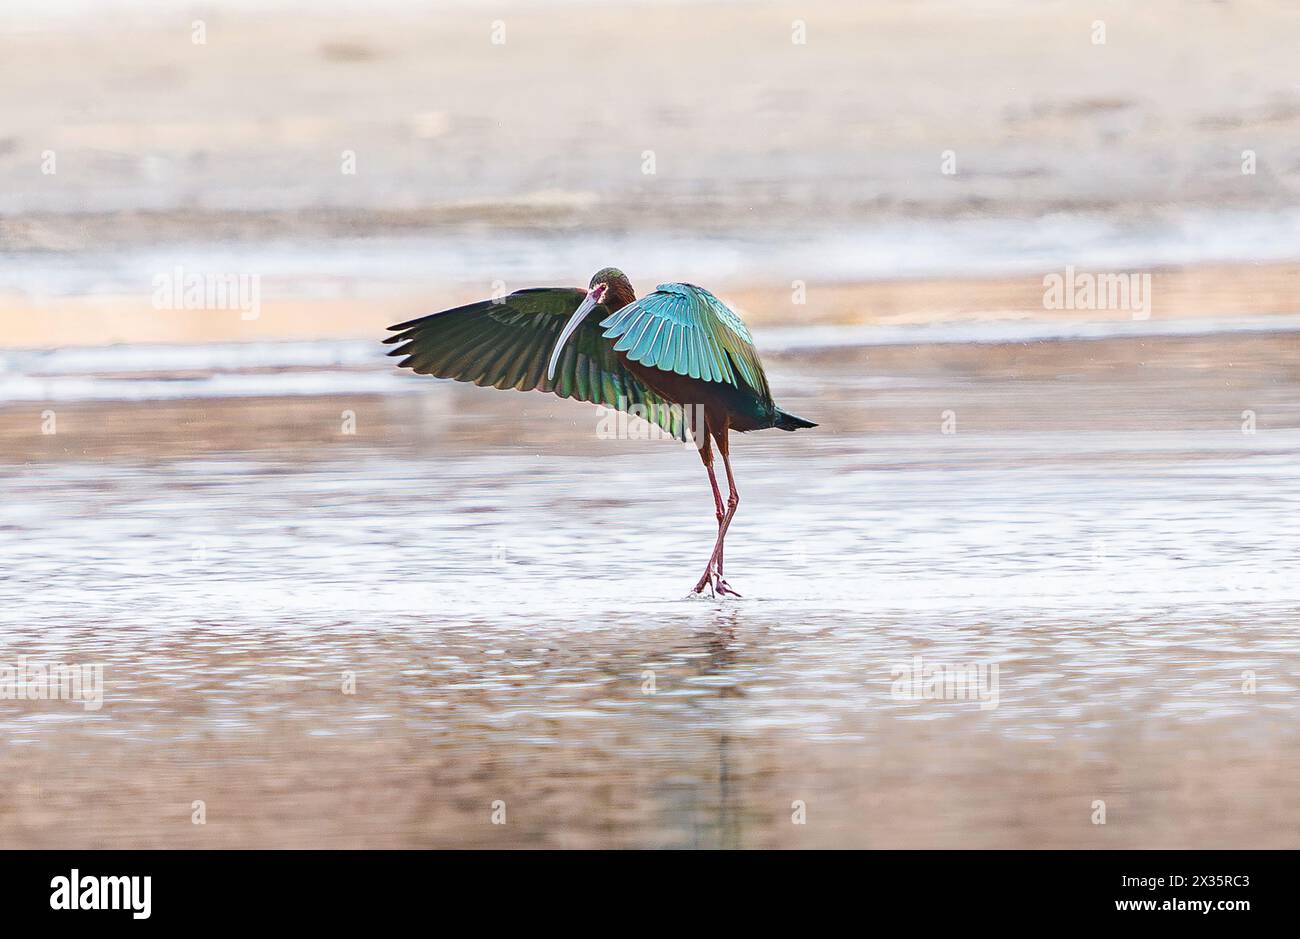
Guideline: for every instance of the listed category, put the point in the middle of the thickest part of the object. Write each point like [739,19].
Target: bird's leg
[706,454]
[733,500]
[712,576]
[719,511]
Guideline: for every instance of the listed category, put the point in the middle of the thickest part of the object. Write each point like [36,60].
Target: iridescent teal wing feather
[685,329]
[505,343]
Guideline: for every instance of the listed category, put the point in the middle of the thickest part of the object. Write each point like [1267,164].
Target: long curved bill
[588,304]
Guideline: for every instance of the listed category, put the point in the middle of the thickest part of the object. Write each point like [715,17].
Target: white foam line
[164,358]
[222,385]
[790,339]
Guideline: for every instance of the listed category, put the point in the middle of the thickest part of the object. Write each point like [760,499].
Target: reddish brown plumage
[619,295]
[724,405]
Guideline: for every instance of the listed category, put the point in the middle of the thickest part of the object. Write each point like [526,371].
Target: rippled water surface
[369,639]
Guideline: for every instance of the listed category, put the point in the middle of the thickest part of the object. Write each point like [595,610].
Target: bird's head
[617,292]
[609,288]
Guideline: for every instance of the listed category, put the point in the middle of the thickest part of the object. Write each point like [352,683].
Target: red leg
[706,454]
[733,500]
[711,579]
[719,511]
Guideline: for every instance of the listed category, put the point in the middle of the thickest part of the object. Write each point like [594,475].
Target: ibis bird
[674,353]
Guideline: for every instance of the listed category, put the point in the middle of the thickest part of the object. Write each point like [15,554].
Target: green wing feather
[505,343]
[685,329]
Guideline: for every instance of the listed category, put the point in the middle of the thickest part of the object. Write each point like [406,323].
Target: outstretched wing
[685,329]
[505,343]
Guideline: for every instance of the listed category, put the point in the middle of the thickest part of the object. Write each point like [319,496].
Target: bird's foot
[717,586]
[726,589]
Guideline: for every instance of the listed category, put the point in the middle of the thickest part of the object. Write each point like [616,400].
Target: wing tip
[410,324]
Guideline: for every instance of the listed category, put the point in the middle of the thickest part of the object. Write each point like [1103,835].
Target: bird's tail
[786,421]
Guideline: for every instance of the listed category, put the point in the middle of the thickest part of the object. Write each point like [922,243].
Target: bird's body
[674,352]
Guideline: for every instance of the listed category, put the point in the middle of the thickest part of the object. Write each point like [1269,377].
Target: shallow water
[502,594]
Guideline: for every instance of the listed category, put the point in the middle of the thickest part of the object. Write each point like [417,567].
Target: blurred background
[910,162]
[232,500]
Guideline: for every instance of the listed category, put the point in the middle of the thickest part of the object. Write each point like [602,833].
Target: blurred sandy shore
[747,125]
[1224,292]
[525,161]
